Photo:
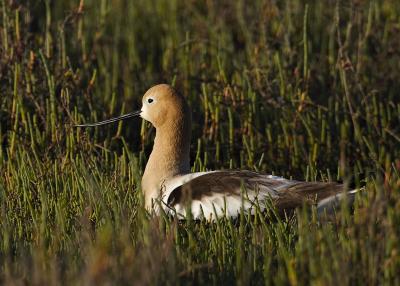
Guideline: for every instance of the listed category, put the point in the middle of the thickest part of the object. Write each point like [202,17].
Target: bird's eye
[150,100]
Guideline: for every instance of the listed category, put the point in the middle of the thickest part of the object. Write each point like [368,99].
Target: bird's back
[227,193]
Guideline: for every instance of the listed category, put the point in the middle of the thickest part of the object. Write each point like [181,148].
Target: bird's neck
[169,158]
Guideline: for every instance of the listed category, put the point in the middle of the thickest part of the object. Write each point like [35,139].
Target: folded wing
[222,193]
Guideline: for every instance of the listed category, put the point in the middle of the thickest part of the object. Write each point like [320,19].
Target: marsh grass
[302,89]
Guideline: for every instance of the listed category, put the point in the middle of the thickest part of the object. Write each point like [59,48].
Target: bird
[169,186]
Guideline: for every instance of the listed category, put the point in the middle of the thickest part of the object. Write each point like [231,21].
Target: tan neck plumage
[170,156]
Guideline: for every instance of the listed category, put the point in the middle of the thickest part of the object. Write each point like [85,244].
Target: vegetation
[301,89]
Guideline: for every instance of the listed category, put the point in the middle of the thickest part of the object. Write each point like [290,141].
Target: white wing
[221,193]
